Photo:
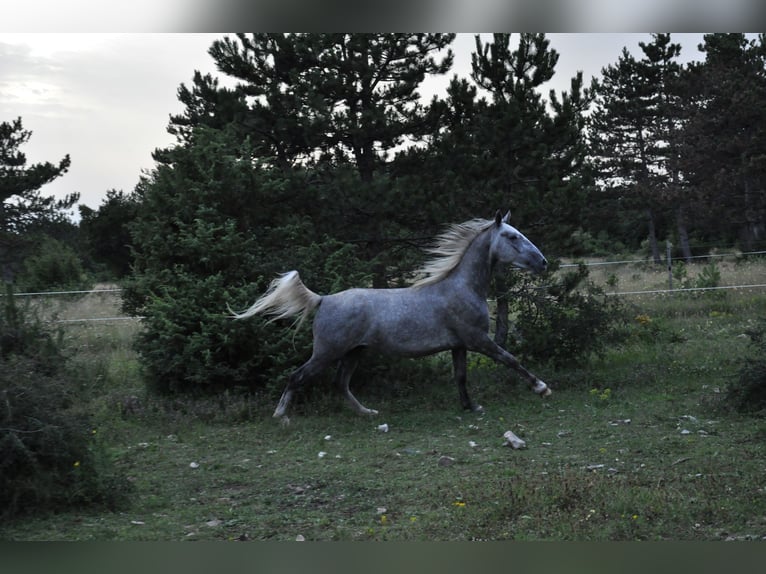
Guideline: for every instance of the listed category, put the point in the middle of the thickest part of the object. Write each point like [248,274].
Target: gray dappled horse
[445,310]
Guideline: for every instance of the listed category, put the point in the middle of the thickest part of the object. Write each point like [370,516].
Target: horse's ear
[498,218]
[507,217]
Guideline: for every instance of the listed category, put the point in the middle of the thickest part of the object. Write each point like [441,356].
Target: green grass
[682,468]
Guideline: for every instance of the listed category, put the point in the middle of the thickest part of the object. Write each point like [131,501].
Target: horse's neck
[475,268]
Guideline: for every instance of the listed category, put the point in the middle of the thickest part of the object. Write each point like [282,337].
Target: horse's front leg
[488,347]
[459,360]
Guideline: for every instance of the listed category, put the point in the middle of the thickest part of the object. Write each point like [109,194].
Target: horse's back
[404,321]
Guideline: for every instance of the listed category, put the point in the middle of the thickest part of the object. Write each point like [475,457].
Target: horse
[444,310]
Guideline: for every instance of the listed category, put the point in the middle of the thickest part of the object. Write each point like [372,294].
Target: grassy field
[635,447]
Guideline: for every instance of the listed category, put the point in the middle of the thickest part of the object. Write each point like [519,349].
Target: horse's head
[509,246]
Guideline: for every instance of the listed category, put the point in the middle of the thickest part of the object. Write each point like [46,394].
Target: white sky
[105,99]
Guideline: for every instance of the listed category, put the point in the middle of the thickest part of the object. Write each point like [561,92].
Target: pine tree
[533,155]
[105,232]
[341,103]
[21,203]
[200,240]
[722,144]
[213,227]
[532,159]
[633,128]
[664,71]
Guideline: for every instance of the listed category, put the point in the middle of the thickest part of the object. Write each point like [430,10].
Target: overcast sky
[105,99]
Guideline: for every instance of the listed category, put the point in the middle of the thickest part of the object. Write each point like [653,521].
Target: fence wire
[688,289]
[652,262]
[566,265]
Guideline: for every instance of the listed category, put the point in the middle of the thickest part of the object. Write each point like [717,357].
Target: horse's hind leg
[305,373]
[346,367]
[459,358]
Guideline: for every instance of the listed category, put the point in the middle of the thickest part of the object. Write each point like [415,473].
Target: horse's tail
[286,296]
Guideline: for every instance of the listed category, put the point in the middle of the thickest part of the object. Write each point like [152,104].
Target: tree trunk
[379,276]
[753,228]
[653,237]
[683,233]
[501,319]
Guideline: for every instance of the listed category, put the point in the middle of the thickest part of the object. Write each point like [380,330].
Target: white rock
[383,427]
[472,444]
[193,465]
[328,437]
[322,454]
[300,538]
[513,441]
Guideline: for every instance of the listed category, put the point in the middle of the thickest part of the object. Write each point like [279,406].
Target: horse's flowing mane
[449,249]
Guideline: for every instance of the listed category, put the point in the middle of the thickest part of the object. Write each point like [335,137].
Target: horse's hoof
[541,388]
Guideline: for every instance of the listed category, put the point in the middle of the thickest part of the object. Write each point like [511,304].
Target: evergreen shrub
[563,319]
[747,391]
[213,230]
[50,455]
[53,266]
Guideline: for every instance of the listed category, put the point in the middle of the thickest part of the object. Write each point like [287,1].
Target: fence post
[668,245]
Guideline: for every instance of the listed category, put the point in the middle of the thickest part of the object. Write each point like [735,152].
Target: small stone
[446,461]
[383,427]
[618,422]
[193,465]
[513,441]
